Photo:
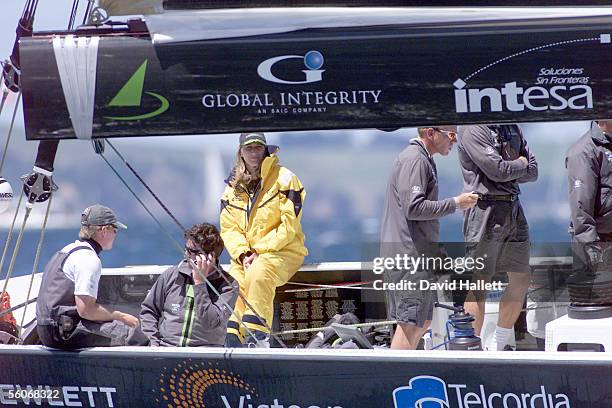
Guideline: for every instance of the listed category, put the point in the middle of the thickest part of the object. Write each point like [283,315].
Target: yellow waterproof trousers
[258,285]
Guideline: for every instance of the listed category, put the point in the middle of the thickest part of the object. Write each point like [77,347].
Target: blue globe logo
[313,60]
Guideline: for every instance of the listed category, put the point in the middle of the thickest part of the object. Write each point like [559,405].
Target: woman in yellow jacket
[261,210]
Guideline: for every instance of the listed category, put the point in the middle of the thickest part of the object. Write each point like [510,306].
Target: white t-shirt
[83,267]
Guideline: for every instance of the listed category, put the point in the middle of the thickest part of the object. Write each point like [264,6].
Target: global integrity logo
[313,60]
[427,391]
[130,95]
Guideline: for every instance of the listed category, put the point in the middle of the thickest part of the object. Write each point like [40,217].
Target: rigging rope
[175,242]
[10,132]
[5,90]
[36,259]
[73,13]
[87,11]
[146,186]
[16,307]
[317,329]
[7,243]
[9,272]
[29,11]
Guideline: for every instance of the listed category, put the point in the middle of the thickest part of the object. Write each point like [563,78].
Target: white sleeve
[84,269]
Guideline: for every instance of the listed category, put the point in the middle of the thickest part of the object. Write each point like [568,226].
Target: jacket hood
[267,165]
[272,149]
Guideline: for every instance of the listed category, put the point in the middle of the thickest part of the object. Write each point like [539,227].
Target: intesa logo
[130,95]
[553,88]
[313,60]
[426,391]
[515,98]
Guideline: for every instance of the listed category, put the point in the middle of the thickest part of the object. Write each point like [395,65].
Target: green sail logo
[131,95]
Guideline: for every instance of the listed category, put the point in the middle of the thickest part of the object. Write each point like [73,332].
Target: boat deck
[264,378]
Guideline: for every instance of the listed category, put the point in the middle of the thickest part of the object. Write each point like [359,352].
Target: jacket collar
[267,165]
[418,142]
[184,268]
[598,136]
[94,244]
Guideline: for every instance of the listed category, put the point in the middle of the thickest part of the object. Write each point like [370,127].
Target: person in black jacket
[182,309]
[589,171]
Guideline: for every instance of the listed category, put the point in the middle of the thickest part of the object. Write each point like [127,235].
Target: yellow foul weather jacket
[267,220]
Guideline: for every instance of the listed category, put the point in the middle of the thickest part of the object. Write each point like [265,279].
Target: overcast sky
[51,14]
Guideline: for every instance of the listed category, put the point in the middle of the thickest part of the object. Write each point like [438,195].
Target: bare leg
[511,303]
[475,304]
[407,336]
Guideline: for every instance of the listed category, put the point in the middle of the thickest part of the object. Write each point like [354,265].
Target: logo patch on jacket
[416,189]
[577,183]
[609,156]
[175,308]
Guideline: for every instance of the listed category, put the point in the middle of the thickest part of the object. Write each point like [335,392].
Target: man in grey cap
[589,171]
[410,227]
[67,313]
[494,160]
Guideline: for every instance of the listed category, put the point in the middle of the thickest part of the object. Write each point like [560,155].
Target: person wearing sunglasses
[410,227]
[495,160]
[261,211]
[67,313]
[190,303]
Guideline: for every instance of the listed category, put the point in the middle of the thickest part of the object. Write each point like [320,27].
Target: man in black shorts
[494,160]
[410,227]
